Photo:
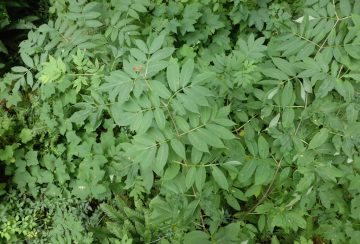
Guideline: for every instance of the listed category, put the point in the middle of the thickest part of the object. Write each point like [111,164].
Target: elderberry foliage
[192,121]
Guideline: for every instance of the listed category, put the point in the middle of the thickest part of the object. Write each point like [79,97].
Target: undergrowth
[192,121]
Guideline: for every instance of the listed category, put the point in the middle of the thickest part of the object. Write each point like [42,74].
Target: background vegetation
[182,121]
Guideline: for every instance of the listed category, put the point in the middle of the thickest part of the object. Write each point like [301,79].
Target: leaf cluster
[191,121]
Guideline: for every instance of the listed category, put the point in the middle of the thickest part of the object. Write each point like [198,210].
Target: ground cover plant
[184,121]
[16,19]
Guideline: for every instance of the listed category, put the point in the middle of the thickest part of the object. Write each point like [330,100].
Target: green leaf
[148,157]
[275,73]
[197,237]
[190,177]
[220,131]
[173,75]
[279,220]
[209,138]
[247,171]
[196,155]
[178,148]
[45,177]
[172,171]
[329,172]
[26,135]
[147,176]
[138,54]
[29,79]
[157,43]
[345,7]
[119,86]
[345,89]
[162,156]
[287,94]
[155,67]
[263,173]
[196,98]
[182,124]
[285,66]
[188,103]
[31,158]
[274,121]
[263,147]
[288,117]
[186,72]
[19,69]
[162,54]
[296,220]
[27,60]
[233,163]
[196,140]
[145,122]
[93,23]
[160,118]
[233,202]
[160,89]
[199,78]
[319,139]
[200,178]
[305,182]
[7,153]
[219,177]
[142,46]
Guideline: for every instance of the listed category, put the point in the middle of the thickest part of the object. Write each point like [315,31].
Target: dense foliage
[184,121]
[16,19]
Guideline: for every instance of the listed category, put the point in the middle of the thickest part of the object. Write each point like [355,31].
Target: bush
[192,121]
